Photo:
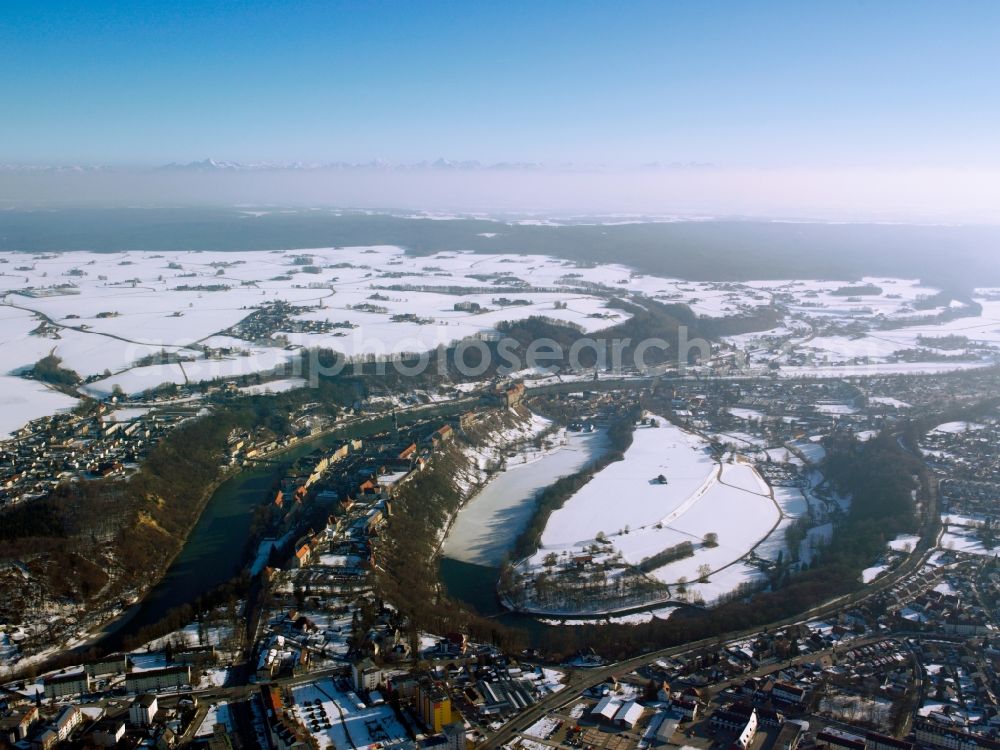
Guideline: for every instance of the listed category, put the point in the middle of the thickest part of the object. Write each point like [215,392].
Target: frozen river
[489,523]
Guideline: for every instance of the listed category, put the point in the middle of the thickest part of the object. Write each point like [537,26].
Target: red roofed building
[303,555]
[442,434]
[514,394]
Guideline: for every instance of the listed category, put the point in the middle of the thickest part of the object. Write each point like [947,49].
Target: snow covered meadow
[137,320]
[668,492]
[874,326]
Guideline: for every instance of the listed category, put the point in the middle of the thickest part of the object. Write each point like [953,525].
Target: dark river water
[476,585]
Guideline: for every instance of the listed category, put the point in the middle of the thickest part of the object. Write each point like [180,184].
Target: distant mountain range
[210,165]
[55,168]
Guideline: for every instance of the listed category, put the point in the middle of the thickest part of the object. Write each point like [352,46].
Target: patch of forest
[49,369]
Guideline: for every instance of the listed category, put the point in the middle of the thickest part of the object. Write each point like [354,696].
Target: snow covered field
[957,427]
[103,313]
[24,400]
[627,511]
[874,330]
[137,320]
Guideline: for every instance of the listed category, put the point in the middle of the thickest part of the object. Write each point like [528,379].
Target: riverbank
[105,630]
[484,528]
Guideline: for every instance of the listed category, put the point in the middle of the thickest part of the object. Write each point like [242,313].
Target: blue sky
[741,84]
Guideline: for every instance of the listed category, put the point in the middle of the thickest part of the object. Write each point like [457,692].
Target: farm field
[134,321]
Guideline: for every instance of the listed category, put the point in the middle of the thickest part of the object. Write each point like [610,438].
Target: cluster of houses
[749,416]
[955,646]
[66,446]
[140,722]
[74,703]
[354,485]
[964,456]
[961,694]
[40,728]
[295,722]
[245,447]
[959,712]
[277,317]
[947,612]
[700,700]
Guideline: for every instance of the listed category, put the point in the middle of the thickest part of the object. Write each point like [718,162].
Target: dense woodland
[654,320]
[880,478]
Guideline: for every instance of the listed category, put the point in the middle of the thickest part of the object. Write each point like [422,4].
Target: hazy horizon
[844,111]
[909,196]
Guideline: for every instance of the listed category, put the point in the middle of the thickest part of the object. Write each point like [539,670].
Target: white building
[67,720]
[788,693]
[142,710]
[76,683]
[366,675]
[628,714]
[156,680]
[749,731]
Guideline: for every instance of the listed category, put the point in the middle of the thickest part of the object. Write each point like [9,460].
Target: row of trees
[669,555]
[552,497]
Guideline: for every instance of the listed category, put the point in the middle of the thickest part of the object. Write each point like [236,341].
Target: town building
[142,710]
[67,720]
[366,675]
[17,726]
[435,706]
[63,685]
[108,732]
[155,680]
